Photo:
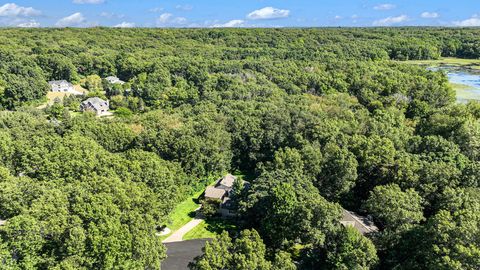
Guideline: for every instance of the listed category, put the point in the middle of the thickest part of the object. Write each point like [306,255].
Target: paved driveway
[180,254]
[177,235]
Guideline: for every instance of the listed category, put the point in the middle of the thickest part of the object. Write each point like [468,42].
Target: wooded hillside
[318,120]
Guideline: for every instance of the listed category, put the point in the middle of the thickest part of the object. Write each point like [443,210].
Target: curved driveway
[177,236]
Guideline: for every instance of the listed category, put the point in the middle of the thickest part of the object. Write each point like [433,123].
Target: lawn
[210,228]
[183,212]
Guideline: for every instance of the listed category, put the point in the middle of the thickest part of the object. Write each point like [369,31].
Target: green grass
[467,95]
[464,92]
[183,212]
[449,61]
[459,86]
[210,228]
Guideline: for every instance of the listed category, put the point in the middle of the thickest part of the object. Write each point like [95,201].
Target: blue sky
[238,13]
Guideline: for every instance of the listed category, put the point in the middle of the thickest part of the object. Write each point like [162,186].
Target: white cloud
[164,17]
[232,23]
[111,15]
[338,17]
[430,15]
[75,19]
[125,25]
[184,7]
[30,24]
[473,21]
[267,13]
[14,15]
[156,9]
[88,1]
[391,20]
[385,7]
[168,20]
[13,10]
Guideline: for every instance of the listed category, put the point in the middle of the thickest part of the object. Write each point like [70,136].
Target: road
[180,254]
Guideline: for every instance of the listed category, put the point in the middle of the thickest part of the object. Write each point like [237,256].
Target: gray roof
[214,193]
[59,82]
[227,181]
[362,224]
[96,102]
[114,79]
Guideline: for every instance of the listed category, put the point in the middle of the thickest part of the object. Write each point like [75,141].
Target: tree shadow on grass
[192,214]
[218,225]
[198,200]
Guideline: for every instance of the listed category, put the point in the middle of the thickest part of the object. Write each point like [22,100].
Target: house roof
[59,82]
[362,224]
[214,193]
[227,181]
[114,79]
[96,102]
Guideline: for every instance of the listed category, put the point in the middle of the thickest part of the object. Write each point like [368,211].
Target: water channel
[466,82]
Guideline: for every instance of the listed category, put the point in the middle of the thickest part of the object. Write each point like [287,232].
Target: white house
[114,80]
[61,86]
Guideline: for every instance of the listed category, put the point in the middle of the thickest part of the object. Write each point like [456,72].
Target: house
[2,222]
[362,224]
[221,192]
[114,80]
[61,86]
[95,104]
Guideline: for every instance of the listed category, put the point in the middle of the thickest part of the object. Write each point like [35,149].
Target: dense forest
[318,119]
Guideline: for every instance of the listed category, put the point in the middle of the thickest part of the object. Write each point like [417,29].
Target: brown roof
[362,224]
[214,193]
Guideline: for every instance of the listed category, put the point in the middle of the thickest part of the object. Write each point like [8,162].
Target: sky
[238,13]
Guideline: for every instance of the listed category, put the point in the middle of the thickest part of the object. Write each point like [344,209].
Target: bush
[210,207]
[123,112]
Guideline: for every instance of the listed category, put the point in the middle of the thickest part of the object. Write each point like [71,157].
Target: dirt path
[177,236]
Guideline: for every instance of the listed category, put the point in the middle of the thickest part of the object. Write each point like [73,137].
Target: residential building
[114,80]
[97,105]
[61,86]
[362,224]
[221,192]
